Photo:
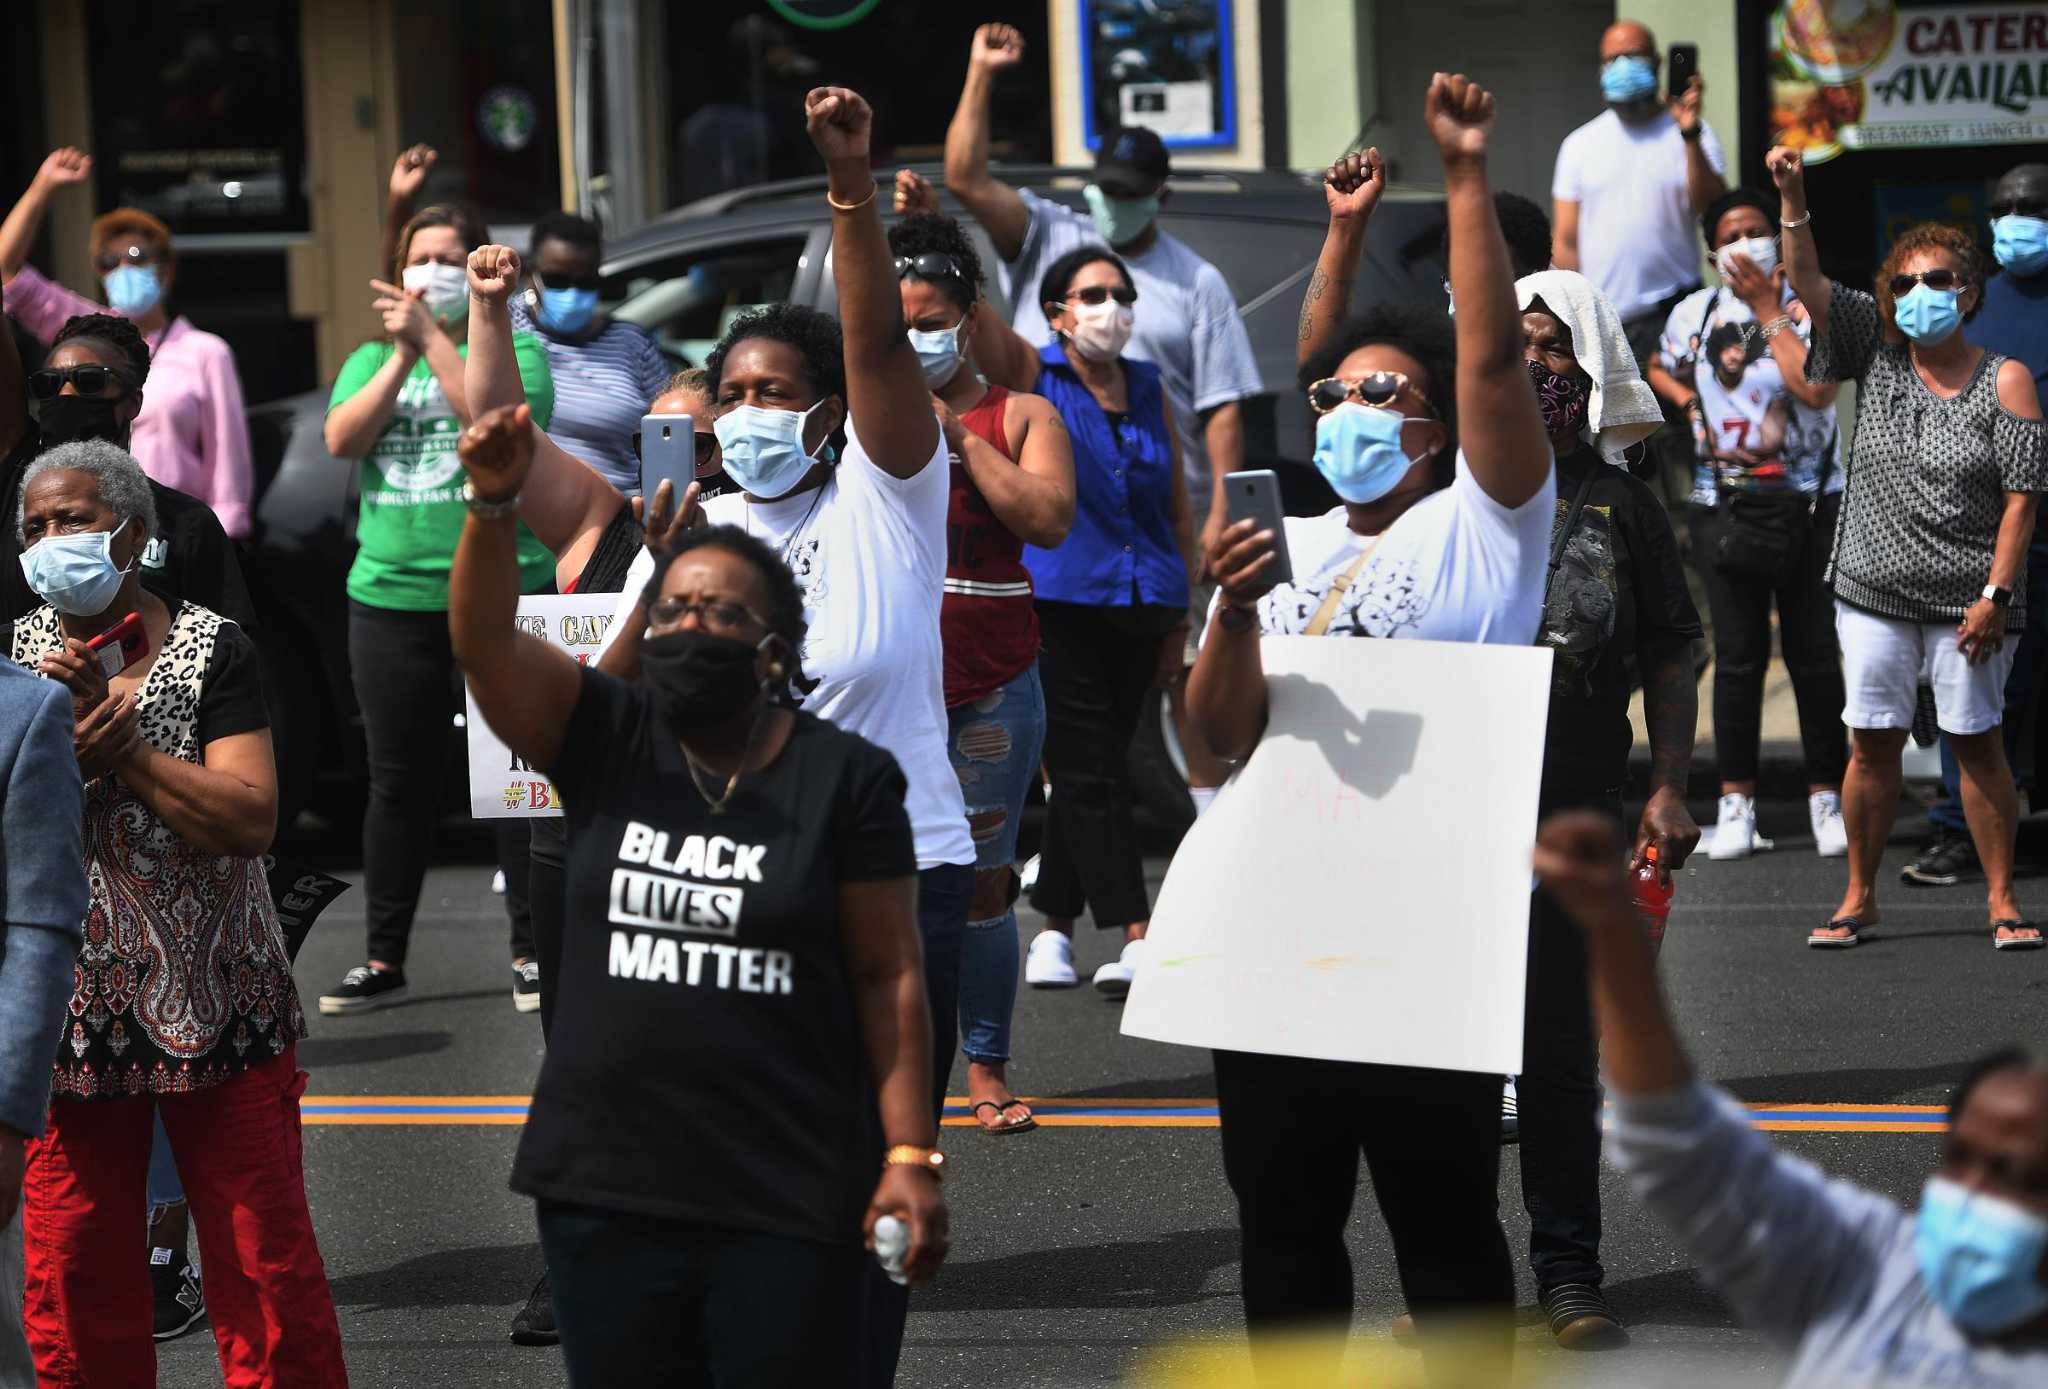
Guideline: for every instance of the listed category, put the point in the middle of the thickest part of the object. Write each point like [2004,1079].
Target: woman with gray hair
[183,1001]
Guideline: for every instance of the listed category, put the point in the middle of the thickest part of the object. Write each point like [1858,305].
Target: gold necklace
[698,771]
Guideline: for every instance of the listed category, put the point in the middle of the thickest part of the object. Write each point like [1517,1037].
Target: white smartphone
[1256,496]
[668,450]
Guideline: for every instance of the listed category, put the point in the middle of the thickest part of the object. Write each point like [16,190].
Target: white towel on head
[1624,410]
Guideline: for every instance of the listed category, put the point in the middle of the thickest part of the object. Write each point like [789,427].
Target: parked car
[684,278]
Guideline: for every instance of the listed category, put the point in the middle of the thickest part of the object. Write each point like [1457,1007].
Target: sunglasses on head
[91,379]
[704,441]
[1097,294]
[1374,388]
[591,281]
[107,262]
[930,266]
[1939,278]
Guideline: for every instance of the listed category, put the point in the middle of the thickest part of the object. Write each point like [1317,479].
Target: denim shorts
[995,743]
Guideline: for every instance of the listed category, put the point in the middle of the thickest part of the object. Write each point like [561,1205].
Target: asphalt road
[1082,1248]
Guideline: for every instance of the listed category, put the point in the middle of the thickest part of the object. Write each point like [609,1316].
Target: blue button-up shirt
[1121,549]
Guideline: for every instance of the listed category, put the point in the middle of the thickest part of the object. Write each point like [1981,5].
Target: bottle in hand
[1652,898]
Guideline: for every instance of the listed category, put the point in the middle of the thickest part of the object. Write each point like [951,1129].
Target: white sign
[1168,109]
[501,785]
[1359,891]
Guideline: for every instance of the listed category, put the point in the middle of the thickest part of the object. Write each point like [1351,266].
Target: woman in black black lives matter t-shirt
[737,1084]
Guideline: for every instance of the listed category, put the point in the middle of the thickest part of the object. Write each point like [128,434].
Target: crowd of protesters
[928,559]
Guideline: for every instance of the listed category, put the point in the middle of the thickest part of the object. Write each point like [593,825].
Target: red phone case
[121,645]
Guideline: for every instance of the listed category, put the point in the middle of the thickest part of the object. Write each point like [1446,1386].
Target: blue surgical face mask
[938,353]
[1626,79]
[763,449]
[1980,1256]
[566,310]
[1358,451]
[132,290]
[1927,315]
[75,574]
[2021,243]
[1120,221]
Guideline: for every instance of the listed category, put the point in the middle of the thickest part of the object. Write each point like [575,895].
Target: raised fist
[493,273]
[915,195]
[996,46]
[1459,113]
[497,451]
[411,171]
[65,167]
[839,121]
[1353,185]
[1788,169]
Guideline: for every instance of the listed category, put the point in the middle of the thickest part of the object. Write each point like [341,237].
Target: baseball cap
[1131,158]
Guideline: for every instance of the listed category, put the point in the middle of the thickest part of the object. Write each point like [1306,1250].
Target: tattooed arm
[1352,188]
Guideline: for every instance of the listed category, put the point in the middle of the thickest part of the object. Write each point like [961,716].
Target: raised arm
[524,688]
[407,175]
[994,203]
[1352,188]
[885,388]
[1795,220]
[1033,496]
[1703,182]
[1500,425]
[64,168]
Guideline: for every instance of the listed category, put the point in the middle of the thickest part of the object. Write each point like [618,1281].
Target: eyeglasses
[1939,278]
[710,612]
[1097,294]
[106,262]
[930,266]
[1374,388]
[703,441]
[591,281]
[91,379]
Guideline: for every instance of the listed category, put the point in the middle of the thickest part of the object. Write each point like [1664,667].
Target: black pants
[1096,665]
[645,1303]
[1292,1133]
[409,689]
[1741,610]
[546,884]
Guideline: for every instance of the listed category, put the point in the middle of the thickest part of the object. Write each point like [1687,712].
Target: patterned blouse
[1928,474]
[184,981]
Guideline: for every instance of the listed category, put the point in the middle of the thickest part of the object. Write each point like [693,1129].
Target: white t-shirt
[1638,238]
[1456,566]
[869,552]
[1186,322]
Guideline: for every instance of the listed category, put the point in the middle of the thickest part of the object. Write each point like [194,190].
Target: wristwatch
[910,1155]
[1232,618]
[1690,135]
[485,507]
[2001,596]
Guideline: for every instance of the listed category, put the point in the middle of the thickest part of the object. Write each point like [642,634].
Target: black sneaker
[362,989]
[180,1305]
[534,1324]
[1947,861]
[1580,1318]
[526,987]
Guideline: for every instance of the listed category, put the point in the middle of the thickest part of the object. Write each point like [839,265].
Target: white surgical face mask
[1101,330]
[1760,251]
[938,353]
[444,289]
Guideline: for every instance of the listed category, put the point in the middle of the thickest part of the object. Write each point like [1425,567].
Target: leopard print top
[183,981]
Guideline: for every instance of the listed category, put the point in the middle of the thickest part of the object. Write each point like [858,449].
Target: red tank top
[987,621]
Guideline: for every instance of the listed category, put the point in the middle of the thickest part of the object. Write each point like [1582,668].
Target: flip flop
[1003,1128]
[1855,936]
[2014,942]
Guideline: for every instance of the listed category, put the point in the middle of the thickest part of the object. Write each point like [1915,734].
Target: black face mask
[699,679]
[66,419]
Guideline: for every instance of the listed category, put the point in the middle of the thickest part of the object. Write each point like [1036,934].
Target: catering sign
[1852,75]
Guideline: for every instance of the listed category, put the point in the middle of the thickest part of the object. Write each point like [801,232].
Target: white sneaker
[1114,978]
[1735,831]
[1049,964]
[1027,876]
[1830,834]
[498,882]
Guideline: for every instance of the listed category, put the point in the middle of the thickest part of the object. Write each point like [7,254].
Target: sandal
[2014,942]
[1002,1128]
[1855,936]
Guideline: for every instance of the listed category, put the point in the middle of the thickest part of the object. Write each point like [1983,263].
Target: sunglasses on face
[591,281]
[107,262]
[715,613]
[1098,294]
[930,266]
[1380,388]
[2020,207]
[91,379]
[704,441]
[1941,278]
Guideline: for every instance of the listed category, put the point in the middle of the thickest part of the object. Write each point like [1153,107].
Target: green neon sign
[823,14]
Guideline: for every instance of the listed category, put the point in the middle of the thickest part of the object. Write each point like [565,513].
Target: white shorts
[1885,660]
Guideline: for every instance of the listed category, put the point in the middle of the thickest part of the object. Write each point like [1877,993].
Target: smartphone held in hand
[1685,65]
[1255,496]
[668,445]
[121,645]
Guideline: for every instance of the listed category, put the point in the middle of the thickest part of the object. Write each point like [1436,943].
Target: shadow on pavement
[1870,1085]
[494,1276]
[1200,1085]
[1674,1298]
[365,1051]
[1169,1271]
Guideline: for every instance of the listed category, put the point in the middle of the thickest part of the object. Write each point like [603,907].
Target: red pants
[85,1205]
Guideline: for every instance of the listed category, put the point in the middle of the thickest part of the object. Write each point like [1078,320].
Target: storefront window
[488,106]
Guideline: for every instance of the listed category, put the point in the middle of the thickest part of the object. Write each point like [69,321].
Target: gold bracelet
[838,206]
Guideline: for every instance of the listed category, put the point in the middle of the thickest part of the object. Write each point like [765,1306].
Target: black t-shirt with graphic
[1620,590]
[706,1061]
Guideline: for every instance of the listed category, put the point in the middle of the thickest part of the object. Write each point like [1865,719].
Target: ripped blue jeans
[995,743]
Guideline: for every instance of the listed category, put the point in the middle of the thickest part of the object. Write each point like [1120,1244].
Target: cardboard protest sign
[1359,891]
[501,785]
[300,894]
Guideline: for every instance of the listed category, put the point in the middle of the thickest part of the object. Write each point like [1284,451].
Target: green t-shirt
[411,484]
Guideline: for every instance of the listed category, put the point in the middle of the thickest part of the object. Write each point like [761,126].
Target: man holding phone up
[1629,188]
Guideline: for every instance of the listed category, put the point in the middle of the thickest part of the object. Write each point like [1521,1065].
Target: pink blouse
[191,434]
